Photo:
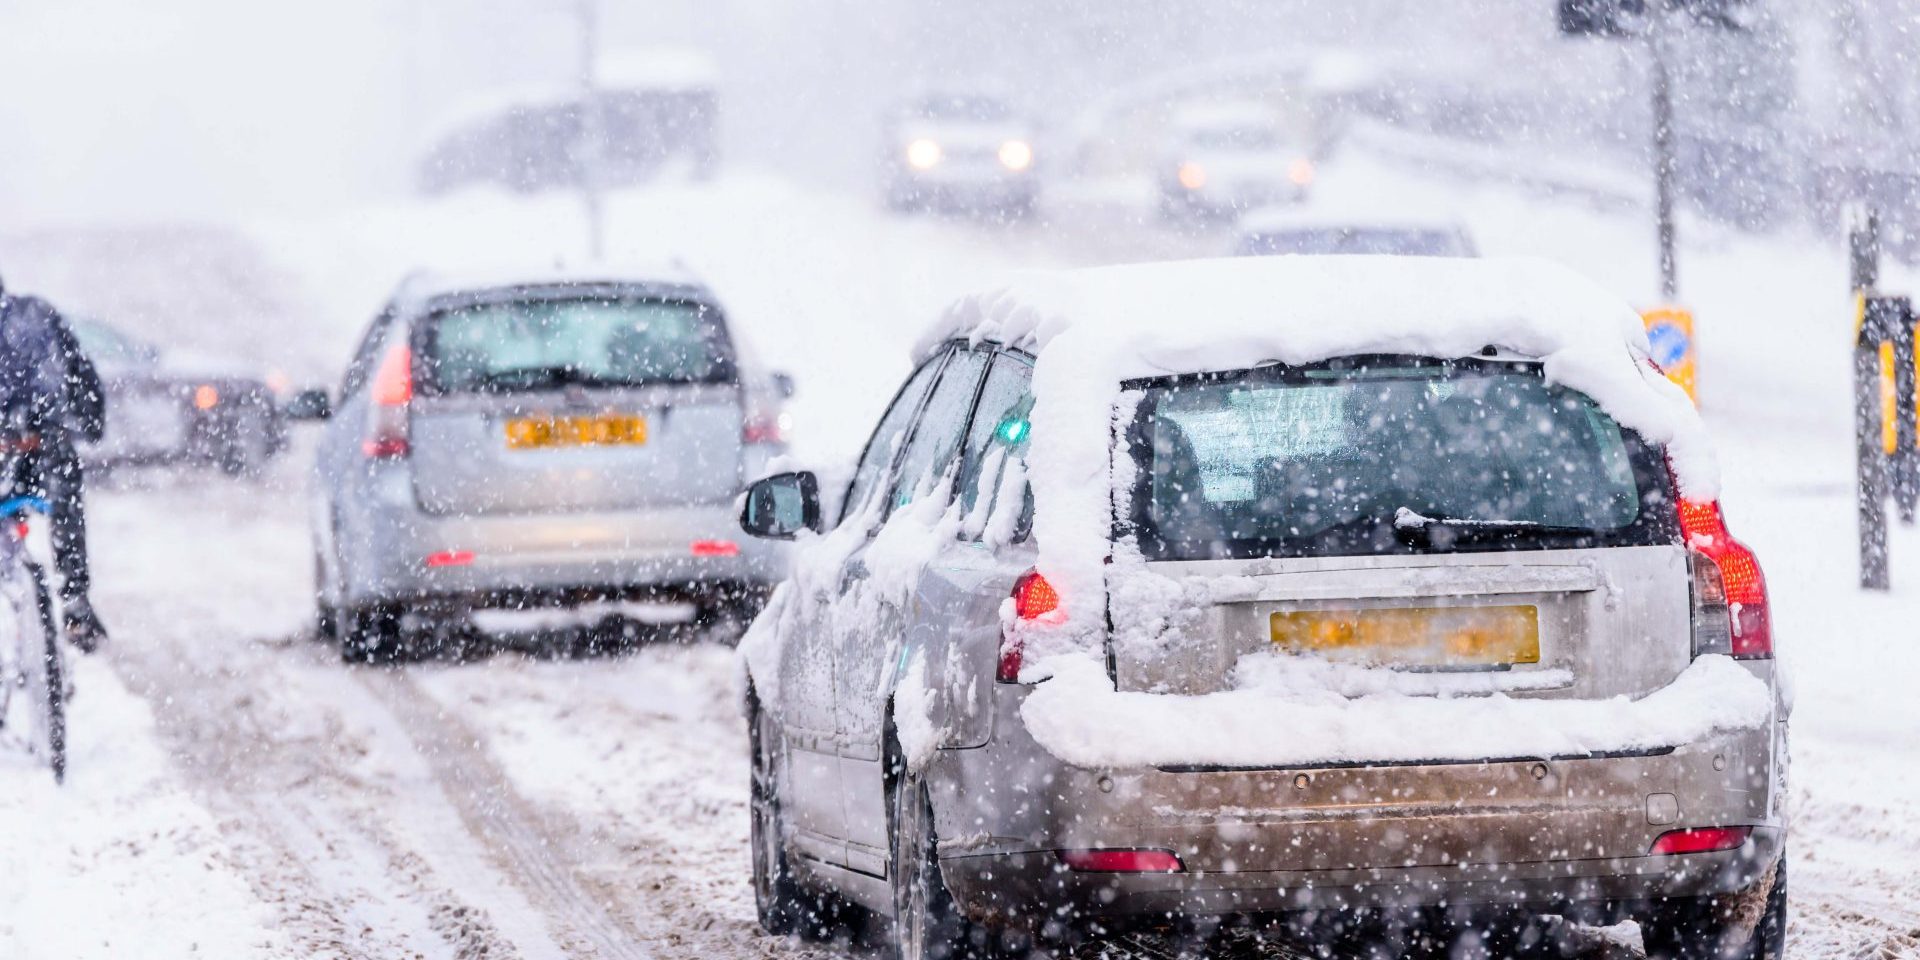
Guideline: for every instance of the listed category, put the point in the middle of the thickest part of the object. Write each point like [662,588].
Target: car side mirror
[309,405]
[783,384]
[780,506]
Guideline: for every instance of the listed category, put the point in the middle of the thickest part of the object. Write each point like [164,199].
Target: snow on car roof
[1092,329]
[429,284]
[666,69]
[1228,115]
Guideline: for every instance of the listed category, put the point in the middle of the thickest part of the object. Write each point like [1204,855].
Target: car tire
[1723,927]
[370,634]
[248,445]
[927,924]
[784,906]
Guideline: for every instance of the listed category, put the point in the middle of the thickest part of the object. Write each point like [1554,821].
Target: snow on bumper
[1078,717]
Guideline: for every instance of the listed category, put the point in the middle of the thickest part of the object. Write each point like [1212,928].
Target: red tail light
[1121,861]
[1033,597]
[450,558]
[764,427]
[1730,610]
[1700,840]
[715,548]
[392,391]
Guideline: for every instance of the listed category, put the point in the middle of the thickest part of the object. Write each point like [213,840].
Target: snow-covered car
[1368,589]
[1282,232]
[959,151]
[176,407]
[548,439]
[1230,157]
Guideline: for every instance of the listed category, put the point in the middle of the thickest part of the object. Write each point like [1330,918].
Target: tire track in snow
[521,838]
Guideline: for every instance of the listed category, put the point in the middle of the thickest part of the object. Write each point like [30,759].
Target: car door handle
[854,572]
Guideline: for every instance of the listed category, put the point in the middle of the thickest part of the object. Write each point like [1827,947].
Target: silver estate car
[988,838]
[536,441]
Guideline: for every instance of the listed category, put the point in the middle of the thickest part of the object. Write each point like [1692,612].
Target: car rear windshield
[521,345]
[1362,241]
[1385,455]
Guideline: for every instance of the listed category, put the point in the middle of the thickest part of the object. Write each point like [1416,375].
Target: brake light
[1033,597]
[1700,840]
[765,428]
[1731,614]
[206,396]
[715,548]
[392,391]
[450,558]
[1121,861]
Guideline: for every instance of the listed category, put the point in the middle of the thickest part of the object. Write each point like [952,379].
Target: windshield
[1384,242]
[963,109]
[1385,455]
[1238,138]
[543,344]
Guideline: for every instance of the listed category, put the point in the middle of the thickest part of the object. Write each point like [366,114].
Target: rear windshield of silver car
[513,346]
[1383,455]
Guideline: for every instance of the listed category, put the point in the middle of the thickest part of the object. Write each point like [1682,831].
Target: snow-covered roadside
[120,861]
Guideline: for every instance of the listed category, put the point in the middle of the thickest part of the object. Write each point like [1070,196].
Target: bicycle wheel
[47,680]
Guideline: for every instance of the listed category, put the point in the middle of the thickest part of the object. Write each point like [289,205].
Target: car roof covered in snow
[1092,330]
[428,285]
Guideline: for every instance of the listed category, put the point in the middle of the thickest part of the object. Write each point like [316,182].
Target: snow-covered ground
[236,792]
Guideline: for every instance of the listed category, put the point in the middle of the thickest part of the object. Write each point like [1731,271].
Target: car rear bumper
[1551,833]
[1008,888]
[683,552]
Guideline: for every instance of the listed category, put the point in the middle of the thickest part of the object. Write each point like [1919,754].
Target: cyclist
[48,384]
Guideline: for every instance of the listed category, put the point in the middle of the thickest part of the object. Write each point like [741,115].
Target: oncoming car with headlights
[1389,594]
[965,152]
[543,440]
[1226,158]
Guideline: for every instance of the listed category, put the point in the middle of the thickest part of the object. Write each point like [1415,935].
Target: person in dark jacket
[47,381]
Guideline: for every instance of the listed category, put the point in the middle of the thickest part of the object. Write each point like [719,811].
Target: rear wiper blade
[1406,519]
[556,376]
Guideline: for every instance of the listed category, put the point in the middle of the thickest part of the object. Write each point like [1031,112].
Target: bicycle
[31,662]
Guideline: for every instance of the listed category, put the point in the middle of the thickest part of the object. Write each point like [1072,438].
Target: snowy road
[237,792]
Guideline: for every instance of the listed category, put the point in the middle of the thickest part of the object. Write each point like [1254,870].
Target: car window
[527,345]
[993,466]
[364,355]
[935,443]
[885,440]
[1355,459]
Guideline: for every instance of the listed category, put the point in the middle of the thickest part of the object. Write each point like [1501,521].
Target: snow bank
[1092,329]
[1278,718]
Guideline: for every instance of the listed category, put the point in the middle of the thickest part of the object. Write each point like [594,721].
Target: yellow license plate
[1415,636]
[596,430]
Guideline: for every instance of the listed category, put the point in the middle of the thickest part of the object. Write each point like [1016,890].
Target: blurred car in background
[1226,158]
[652,110]
[178,408]
[967,152]
[1283,231]
[549,443]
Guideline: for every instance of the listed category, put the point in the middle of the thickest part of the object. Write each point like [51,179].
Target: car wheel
[248,446]
[370,634]
[927,924]
[1751,925]
[326,619]
[784,906]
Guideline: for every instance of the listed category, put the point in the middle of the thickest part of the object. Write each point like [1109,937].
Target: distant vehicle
[654,110]
[1313,601]
[176,407]
[1284,231]
[960,151]
[547,439]
[1226,158]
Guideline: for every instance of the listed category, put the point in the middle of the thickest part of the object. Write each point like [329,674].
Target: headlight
[923,154]
[1192,176]
[1301,173]
[1016,155]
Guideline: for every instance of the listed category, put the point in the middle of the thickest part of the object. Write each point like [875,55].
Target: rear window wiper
[1407,521]
[533,378]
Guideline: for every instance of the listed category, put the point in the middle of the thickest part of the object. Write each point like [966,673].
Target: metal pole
[1665,161]
[1870,461]
[590,128]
